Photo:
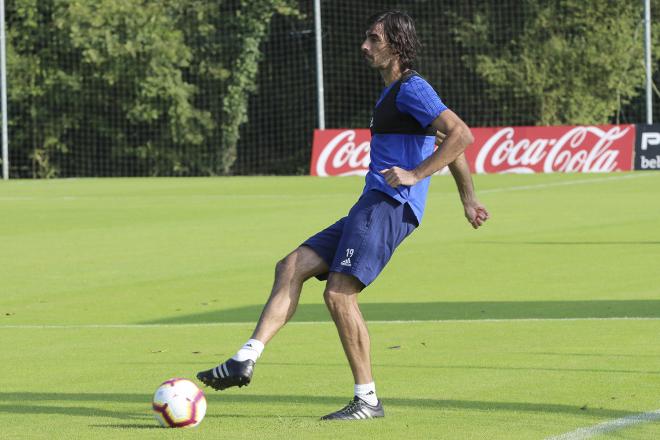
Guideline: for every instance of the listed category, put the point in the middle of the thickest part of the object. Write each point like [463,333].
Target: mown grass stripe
[221,324]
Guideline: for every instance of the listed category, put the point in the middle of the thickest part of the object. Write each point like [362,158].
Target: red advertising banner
[587,149]
[340,152]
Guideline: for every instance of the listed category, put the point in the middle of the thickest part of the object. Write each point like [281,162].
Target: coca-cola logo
[345,153]
[585,149]
[603,148]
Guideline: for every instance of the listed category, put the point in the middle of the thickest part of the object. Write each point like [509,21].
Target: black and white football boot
[357,409]
[231,373]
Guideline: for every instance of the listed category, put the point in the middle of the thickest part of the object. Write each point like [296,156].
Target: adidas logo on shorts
[346,262]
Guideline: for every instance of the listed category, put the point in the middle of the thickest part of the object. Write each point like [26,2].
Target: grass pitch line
[566,183]
[223,324]
[612,425]
[336,195]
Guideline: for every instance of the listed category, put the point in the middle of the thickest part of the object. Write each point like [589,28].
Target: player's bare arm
[475,212]
[457,139]
[452,137]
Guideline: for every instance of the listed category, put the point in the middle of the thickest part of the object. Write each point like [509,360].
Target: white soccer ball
[178,403]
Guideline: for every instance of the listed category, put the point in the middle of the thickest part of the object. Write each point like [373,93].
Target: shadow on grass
[256,400]
[77,411]
[128,426]
[429,311]
[468,367]
[569,243]
[609,355]
[200,365]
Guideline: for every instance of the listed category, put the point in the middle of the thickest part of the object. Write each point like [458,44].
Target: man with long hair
[408,121]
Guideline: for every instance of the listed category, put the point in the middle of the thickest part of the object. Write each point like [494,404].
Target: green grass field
[514,331]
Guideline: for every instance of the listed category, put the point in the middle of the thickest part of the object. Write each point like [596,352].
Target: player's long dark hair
[399,29]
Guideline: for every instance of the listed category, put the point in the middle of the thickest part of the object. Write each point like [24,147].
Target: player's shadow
[429,311]
[51,403]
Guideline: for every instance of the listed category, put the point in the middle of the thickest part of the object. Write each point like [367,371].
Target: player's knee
[334,300]
[282,267]
[329,298]
[287,266]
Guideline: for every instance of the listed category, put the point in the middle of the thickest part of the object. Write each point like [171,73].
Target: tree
[40,88]
[132,87]
[580,69]
[131,60]
[252,20]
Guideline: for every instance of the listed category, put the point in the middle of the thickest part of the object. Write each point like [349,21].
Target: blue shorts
[362,243]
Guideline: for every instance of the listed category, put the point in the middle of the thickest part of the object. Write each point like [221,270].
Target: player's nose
[365,47]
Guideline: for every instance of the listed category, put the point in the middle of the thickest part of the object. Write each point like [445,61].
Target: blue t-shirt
[417,98]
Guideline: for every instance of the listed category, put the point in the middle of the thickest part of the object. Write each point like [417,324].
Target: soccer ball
[178,403]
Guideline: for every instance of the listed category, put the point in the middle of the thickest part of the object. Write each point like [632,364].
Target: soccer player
[408,121]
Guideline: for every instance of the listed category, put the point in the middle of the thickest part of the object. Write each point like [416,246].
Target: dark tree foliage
[200,87]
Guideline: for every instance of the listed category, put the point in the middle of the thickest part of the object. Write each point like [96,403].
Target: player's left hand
[476,213]
[439,138]
[396,176]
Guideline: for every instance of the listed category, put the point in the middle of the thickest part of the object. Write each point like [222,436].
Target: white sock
[367,392]
[251,350]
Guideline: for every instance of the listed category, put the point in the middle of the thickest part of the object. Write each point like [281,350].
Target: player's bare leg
[341,298]
[290,274]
